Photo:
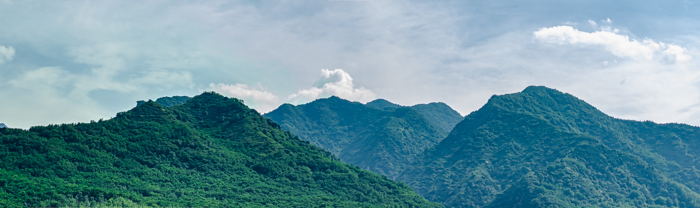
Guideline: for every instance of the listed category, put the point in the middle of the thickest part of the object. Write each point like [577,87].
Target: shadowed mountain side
[438,113]
[383,141]
[394,143]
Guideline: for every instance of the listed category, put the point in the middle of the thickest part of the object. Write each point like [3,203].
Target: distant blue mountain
[2,125]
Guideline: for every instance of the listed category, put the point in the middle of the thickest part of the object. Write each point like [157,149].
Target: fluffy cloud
[333,82]
[259,99]
[617,44]
[592,23]
[6,54]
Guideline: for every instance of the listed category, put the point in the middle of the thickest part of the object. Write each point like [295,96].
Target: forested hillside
[210,151]
[168,101]
[437,113]
[381,136]
[544,148]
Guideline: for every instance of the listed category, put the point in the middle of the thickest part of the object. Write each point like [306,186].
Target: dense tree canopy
[544,148]
[380,136]
[209,151]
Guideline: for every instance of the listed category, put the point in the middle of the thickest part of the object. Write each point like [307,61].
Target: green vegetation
[210,151]
[168,101]
[381,136]
[382,104]
[544,148]
[437,113]
[440,114]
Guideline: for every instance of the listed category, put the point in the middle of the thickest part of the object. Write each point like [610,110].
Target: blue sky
[76,61]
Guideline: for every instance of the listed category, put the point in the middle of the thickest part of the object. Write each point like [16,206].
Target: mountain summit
[542,148]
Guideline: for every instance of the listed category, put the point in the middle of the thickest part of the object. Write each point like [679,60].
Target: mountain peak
[524,147]
[382,104]
[539,98]
[2,125]
[533,88]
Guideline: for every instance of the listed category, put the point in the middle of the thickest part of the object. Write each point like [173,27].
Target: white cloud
[653,80]
[259,99]
[6,54]
[617,44]
[333,82]
[592,23]
[607,21]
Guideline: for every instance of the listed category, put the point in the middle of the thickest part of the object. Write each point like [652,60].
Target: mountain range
[208,151]
[380,136]
[535,148]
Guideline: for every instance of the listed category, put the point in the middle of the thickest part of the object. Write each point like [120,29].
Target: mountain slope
[2,125]
[672,148]
[209,151]
[542,148]
[382,141]
[438,113]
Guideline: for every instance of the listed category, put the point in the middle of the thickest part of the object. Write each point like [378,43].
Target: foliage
[438,113]
[168,101]
[210,151]
[544,148]
[382,104]
[381,136]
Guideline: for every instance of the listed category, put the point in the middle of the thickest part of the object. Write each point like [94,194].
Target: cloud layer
[6,54]
[260,99]
[333,82]
[619,45]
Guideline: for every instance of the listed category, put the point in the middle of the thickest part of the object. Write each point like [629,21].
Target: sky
[77,61]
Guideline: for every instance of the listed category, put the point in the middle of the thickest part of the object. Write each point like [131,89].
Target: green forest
[210,151]
[545,148]
[535,148]
[379,136]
